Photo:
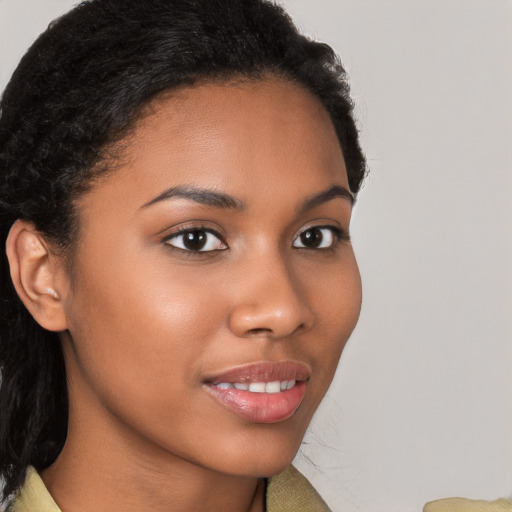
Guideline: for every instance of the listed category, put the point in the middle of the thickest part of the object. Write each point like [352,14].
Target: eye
[197,240]
[318,237]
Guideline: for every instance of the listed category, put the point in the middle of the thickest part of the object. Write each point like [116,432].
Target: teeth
[224,385]
[273,387]
[259,387]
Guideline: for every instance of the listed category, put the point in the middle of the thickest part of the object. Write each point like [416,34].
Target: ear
[38,275]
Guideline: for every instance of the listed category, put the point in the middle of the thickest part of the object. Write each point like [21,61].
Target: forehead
[238,138]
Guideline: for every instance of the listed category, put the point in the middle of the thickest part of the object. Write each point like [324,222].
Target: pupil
[311,237]
[194,240]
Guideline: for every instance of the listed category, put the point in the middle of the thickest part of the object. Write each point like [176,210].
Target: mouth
[259,387]
[261,392]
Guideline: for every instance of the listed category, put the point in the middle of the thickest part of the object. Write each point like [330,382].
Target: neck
[81,480]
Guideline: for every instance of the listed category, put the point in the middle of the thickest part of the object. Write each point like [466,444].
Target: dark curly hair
[76,92]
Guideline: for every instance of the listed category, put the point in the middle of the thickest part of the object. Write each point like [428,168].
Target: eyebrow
[219,200]
[199,195]
[325,196]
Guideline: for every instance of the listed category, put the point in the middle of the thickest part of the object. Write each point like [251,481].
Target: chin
[261,455]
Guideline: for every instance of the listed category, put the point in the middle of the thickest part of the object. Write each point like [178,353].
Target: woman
[177,181]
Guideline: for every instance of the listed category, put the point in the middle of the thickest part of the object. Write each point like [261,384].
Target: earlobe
[36,274]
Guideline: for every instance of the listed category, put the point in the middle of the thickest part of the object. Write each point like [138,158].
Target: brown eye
[317,238]
[196,240]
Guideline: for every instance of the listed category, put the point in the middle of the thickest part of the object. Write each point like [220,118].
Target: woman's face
[214,285]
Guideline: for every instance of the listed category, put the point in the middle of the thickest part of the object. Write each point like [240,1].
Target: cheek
[140,331]
[336,296]
[336,293]
[344,303]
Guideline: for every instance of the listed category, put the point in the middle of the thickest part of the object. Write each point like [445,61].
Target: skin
[145,323]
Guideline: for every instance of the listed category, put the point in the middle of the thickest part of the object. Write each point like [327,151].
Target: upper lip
[263,372]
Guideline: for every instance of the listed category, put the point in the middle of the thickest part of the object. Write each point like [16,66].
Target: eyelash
[338,235]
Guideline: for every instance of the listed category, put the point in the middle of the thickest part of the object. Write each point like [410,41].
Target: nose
[269,303]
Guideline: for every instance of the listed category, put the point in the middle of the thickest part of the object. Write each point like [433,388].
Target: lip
[263,372]
[261,407]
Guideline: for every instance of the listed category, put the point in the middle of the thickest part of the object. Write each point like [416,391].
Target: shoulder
[290,491]
[466,505]
[33,496]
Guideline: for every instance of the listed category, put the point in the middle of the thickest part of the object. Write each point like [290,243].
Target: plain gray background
[421,407]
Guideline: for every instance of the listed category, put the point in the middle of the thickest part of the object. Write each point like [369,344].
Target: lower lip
[261,407]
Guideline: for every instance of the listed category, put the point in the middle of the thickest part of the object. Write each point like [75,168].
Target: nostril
[266,330]
[255,332]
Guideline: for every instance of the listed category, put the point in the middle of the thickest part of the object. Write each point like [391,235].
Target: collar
[288,491]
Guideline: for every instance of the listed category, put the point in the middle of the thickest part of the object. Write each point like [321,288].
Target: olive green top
[287,492]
